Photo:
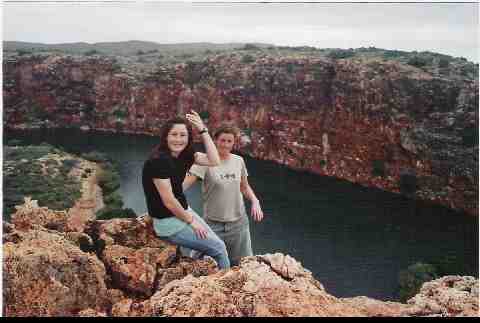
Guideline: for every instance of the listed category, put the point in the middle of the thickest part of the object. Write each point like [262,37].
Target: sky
[447,28]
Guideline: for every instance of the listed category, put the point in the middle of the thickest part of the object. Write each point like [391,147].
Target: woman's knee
[218,246]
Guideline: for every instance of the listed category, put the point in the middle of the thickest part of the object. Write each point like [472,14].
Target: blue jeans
[212,245]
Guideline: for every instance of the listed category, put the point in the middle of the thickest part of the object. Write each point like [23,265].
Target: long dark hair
[162,147]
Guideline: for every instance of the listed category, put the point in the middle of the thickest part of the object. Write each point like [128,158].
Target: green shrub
[193,73]
[70,163]
[111,213]
[378,168]
[408,182]
[91,52]
[204,114]
[418,61]
[393,54]
[246,59]
[14,142]
[470,137]
[412,279]
[250,47]
[443,63]
[113,201]
[122,114]
[449,265]
[290,67]
[109,181]
[341,53]
[23,52]
[95,156]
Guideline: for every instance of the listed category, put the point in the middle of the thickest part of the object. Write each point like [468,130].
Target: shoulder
[198,170]
[162,160]
[238,159]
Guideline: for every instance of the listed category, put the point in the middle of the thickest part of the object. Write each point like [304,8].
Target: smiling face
[177,139]
[224,143]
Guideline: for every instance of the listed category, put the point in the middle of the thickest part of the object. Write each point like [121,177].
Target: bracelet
[203,131]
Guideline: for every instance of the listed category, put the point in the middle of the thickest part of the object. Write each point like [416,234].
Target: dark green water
[354,240]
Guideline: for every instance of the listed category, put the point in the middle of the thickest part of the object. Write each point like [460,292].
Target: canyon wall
[379,123]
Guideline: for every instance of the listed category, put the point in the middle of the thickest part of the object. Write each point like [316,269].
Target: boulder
[44,274]
[447,296]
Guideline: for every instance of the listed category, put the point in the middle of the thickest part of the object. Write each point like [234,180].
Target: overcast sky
[448,28]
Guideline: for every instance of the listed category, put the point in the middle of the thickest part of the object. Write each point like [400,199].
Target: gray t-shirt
[222,199]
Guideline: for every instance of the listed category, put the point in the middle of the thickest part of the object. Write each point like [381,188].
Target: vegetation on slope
[41,172]
[144,56]
[109,182]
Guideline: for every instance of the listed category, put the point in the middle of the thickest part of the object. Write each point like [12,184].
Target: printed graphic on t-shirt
[228,176]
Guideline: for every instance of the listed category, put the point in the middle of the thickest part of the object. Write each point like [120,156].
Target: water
[354,240]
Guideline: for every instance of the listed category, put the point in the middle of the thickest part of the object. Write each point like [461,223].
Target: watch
[203,131]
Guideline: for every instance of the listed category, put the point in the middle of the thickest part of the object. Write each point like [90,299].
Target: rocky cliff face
[373,122]
[119,268]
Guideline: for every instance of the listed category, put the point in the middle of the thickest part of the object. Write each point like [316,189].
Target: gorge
[377,122]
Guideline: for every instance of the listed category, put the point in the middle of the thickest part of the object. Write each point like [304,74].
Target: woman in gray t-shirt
[222,189]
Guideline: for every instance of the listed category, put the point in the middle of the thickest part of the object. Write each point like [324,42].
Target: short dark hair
[162,147]
[226,128]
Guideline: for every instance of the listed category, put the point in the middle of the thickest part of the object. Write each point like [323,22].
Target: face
[224,143]
[177,139]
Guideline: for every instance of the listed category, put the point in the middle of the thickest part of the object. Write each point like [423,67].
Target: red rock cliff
[378,123]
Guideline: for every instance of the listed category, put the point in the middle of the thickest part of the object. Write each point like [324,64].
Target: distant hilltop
[152,52]
[125,48]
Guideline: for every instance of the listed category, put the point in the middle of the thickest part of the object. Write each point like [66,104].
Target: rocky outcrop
[45,274]
[447,296]
[127,271]
[374,122]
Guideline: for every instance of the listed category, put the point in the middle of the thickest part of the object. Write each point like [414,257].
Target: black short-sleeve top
[165,166]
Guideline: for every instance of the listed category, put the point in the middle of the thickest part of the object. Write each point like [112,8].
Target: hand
[199,229]
[195,119]
[256,211]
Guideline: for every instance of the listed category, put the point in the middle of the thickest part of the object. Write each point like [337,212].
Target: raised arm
[256,210]
[188,181]
[164,188]
[211,158]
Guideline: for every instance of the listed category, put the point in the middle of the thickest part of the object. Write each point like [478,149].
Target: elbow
[243,190]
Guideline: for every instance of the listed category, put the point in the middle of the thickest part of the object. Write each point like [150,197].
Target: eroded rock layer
[378,123]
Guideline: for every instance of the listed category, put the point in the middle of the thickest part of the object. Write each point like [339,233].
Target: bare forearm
[249,194]
[188,182]
[210,149]
[177,209]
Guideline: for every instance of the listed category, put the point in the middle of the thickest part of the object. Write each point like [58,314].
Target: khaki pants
[236,236]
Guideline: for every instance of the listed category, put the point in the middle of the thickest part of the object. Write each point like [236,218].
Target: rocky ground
[119,268]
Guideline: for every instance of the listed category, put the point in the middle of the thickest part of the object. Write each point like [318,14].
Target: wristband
[203,131]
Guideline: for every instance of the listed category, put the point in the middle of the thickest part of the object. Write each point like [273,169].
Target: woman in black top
[162,177]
